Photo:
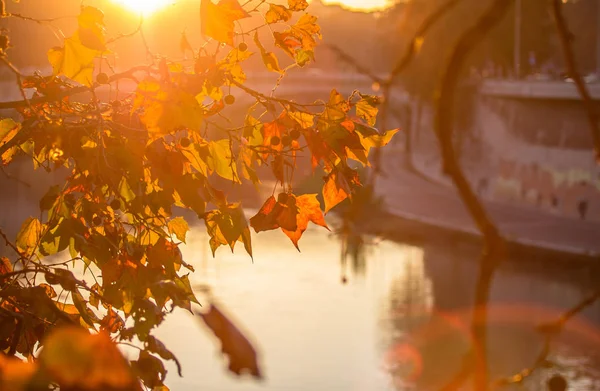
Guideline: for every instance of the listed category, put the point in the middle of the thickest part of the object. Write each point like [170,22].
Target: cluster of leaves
[130,161]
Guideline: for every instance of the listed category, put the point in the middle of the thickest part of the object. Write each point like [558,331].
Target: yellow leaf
[8,130]
[167,108]
[366,109]
[228,225]
[91,28]
[337,107]
[277,13]
[29,235]
[269,58]
[217,20]
[178,227]
[74,60]
[222,161]
[297,5]
[304,119]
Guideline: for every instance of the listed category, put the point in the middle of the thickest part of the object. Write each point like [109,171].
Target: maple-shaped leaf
[290,213]
[371,137]
[235,346]
[217,20]
[335,190]
[166,108]
[226,226]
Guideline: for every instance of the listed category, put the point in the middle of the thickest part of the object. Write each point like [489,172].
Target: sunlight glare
[361,5]
[145,7]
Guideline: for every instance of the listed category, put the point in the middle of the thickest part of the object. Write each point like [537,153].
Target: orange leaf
[309,210]
[334,190]
[290,213]
[217,20]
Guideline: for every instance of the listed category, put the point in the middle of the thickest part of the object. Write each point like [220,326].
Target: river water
[399,322]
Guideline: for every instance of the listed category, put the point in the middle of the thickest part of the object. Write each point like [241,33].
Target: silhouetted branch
[347,58]
[412,48]
[565,38]
[494,246]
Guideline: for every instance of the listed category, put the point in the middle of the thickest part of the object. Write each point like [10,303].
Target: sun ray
[145,7]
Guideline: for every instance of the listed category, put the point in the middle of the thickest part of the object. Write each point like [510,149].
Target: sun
[145,7]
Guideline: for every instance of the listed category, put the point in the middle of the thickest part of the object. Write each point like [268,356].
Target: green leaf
[178,227]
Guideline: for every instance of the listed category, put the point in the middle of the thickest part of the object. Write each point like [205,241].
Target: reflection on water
[401,322]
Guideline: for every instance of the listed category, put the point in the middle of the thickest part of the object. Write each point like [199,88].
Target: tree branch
[565,38]
[494,246]
[413,46]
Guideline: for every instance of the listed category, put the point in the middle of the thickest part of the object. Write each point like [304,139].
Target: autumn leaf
[366,108]
[226,226]
[8,130]
[221,160]
[290,213]
[29,236]
[91,28]
[277,13]
[304,119]
[269,58]
[155,346]
[74,60]
[297,5]
[217,20]
[76,359]
[337,107]
[178,227]
[334,191]
[166,108]
[234,345]
[309,210]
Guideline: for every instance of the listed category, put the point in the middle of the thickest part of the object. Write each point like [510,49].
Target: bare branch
[565,38]
[494,246]
[412,48]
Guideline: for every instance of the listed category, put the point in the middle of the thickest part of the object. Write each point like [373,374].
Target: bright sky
[363,5]
[149,6]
